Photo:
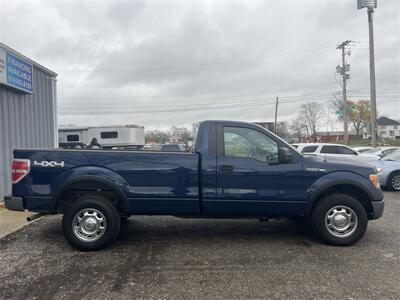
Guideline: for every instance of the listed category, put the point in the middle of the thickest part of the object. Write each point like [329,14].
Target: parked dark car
[236,170]
[172,148]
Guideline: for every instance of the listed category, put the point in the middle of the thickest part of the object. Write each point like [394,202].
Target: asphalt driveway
[166,257]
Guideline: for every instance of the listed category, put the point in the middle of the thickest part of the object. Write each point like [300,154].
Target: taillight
[20,168]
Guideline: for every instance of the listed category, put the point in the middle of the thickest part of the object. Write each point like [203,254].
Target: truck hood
[332,164]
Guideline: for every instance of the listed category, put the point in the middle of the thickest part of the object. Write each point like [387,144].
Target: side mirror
[285,155]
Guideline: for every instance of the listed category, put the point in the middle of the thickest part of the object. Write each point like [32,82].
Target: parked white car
[335,150]
[342,151]
[378,153]
[363,149]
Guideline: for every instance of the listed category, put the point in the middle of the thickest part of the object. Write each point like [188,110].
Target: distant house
[175,139]
[151,140]
[387,129]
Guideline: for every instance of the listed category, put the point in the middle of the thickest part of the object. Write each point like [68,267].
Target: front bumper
[14,203]
[377,209]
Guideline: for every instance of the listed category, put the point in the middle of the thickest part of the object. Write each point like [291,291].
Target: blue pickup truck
[236,170]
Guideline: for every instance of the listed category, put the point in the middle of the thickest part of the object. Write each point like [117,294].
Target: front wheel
[394,181]
[339,219]
[91,223]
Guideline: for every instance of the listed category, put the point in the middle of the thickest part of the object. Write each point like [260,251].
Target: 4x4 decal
[52,164]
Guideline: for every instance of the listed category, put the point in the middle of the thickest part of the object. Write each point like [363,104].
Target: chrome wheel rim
[341,221]
[89,225]
[396,182]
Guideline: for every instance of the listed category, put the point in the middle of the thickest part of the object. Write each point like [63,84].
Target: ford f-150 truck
[235,170]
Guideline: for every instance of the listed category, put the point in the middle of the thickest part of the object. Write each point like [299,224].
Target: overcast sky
[162,63]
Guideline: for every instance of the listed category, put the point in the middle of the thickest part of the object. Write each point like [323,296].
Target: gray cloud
[179,62]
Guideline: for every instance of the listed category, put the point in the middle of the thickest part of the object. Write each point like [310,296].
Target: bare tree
[282,129]
[182,132]
[296,125]
[312,113]
[162,136]
[157,136]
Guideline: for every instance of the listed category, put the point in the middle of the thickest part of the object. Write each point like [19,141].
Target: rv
[109,137]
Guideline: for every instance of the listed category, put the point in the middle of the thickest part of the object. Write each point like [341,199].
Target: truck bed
[153,182]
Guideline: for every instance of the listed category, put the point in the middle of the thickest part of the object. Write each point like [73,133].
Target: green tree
[360,115]
[358,112]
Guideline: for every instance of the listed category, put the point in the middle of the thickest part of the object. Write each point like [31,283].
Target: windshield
[371,151]
[395,155]
[363,150]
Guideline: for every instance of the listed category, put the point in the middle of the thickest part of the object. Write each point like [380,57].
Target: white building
[387,129]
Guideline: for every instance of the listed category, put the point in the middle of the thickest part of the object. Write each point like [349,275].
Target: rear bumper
[377,209]
[14,203]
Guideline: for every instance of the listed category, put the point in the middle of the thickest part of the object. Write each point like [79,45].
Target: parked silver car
[389,171]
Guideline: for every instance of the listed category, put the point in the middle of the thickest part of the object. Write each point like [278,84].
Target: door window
[309,149]
[249,143]
[330,149]
[345,150]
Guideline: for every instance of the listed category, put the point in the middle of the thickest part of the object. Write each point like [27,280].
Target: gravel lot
[166,257]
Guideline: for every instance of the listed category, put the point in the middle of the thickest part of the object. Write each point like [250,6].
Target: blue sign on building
[16,72]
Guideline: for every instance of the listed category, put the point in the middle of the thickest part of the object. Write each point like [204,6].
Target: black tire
[124,220]
[390,185]
[97,208]
[336,205]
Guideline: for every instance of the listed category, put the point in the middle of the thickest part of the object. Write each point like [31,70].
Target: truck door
[250,178]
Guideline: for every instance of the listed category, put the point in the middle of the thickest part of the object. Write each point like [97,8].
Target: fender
[337,178]
[90,173]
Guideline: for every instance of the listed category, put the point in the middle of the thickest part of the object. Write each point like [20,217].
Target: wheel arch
[90,184]
[354,188]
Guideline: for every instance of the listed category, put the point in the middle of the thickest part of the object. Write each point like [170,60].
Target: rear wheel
[394,181]
[339,219]
[91,223]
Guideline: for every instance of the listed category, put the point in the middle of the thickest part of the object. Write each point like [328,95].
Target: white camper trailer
[107,136]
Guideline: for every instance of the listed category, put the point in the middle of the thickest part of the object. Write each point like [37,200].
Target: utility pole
[276,114]
[345,76]
[372,76]
[371,5]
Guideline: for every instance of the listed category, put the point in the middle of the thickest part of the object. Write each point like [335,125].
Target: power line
[236,101]
[248,103]
[260,104]
[183,67]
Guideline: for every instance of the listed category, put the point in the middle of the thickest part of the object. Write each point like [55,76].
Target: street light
[371,5]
